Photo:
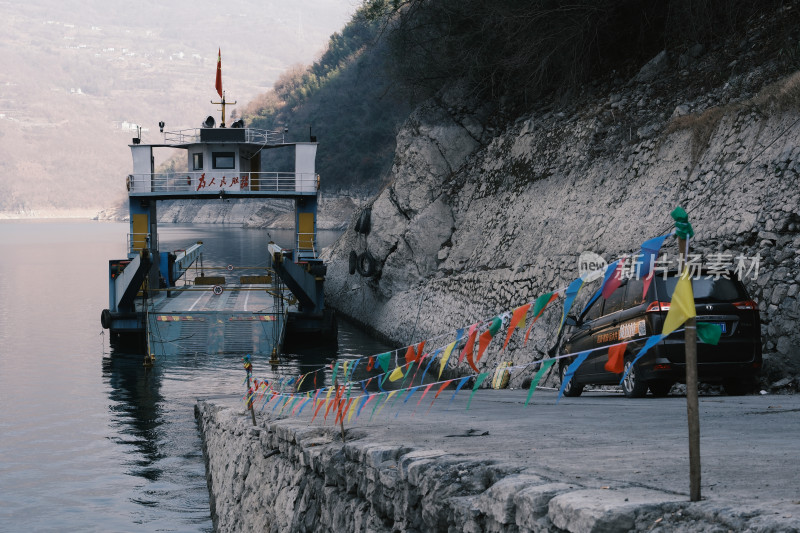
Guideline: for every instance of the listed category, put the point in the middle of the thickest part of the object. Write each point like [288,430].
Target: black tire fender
[366,265]
[105,318]
[364,222]
[353,259]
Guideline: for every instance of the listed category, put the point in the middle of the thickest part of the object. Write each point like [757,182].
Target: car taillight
[662,367]
[657,306]
[749,304]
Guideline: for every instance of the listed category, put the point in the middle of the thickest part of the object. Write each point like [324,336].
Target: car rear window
[595,310]
[634,294]
[615,300]
[704,289]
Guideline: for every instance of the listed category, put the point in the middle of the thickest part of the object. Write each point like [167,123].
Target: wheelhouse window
[224,160]
[197,161]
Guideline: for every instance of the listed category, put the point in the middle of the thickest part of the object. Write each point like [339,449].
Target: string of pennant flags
[350,398]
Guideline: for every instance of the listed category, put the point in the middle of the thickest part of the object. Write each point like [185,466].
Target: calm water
[89,439]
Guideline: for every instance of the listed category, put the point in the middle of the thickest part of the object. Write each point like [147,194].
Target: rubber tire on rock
[660,388]
[366,265]
[364,222]
[353,261]
[571,390]
[631,386]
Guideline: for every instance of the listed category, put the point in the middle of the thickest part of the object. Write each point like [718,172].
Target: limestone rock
[474,226]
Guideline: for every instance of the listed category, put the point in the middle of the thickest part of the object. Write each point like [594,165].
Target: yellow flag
[682,306]
[396,374]
[352,408]
[328,396]
[445,357]
[389,397]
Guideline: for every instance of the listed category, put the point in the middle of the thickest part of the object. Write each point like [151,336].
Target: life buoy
[367,266]
[218,289]
[353,261]
[501,375]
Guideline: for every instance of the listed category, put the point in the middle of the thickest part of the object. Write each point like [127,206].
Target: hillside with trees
[517,56]
[346,100]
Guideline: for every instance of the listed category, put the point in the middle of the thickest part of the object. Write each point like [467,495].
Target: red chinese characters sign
[222,183]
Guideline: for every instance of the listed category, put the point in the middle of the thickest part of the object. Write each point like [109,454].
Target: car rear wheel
[632,386]
[572,389]
[737,387]
[660,388]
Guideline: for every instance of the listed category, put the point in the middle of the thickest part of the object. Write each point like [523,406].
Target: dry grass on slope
[779,97]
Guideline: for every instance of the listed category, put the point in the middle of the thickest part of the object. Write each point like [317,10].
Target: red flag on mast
[218,85]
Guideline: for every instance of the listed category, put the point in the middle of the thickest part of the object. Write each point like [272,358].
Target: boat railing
[138,241]
[307,243]
[215,182]
[252,136]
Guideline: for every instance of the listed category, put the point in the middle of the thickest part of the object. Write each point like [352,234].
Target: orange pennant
[472,363]
[483,342]
[317,411]
[616,359]
[343,410]
[518,317]
[411,355]
[470,346]
[420,347]
[334,402]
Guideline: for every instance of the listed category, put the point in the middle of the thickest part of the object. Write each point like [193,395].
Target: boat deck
[195,320]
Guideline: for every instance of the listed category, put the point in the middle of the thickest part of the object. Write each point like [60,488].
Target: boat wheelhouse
[206,314]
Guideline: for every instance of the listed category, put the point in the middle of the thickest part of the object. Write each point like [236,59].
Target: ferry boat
[150,297]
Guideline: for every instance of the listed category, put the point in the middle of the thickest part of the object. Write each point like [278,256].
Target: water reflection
[152,409]
[152,413]
[136,398]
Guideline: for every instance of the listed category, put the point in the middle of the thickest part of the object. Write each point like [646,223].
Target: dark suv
[628,314]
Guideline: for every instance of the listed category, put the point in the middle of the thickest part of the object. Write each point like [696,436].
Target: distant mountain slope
[78,75]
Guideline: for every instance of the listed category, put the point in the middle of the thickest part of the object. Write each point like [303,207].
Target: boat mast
[223,103]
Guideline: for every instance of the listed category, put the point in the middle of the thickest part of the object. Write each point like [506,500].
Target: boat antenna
[223,104]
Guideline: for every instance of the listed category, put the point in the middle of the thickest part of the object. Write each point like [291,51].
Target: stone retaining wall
[287,476]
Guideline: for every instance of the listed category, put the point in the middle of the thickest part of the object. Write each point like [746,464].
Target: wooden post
[251,393]
[248,367]
[341,418]
[692,404]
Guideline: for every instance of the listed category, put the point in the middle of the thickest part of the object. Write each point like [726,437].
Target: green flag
[709,333]
[478,382]
[546,364]
[683,229]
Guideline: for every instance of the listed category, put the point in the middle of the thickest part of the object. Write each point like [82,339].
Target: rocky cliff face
[478,221]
